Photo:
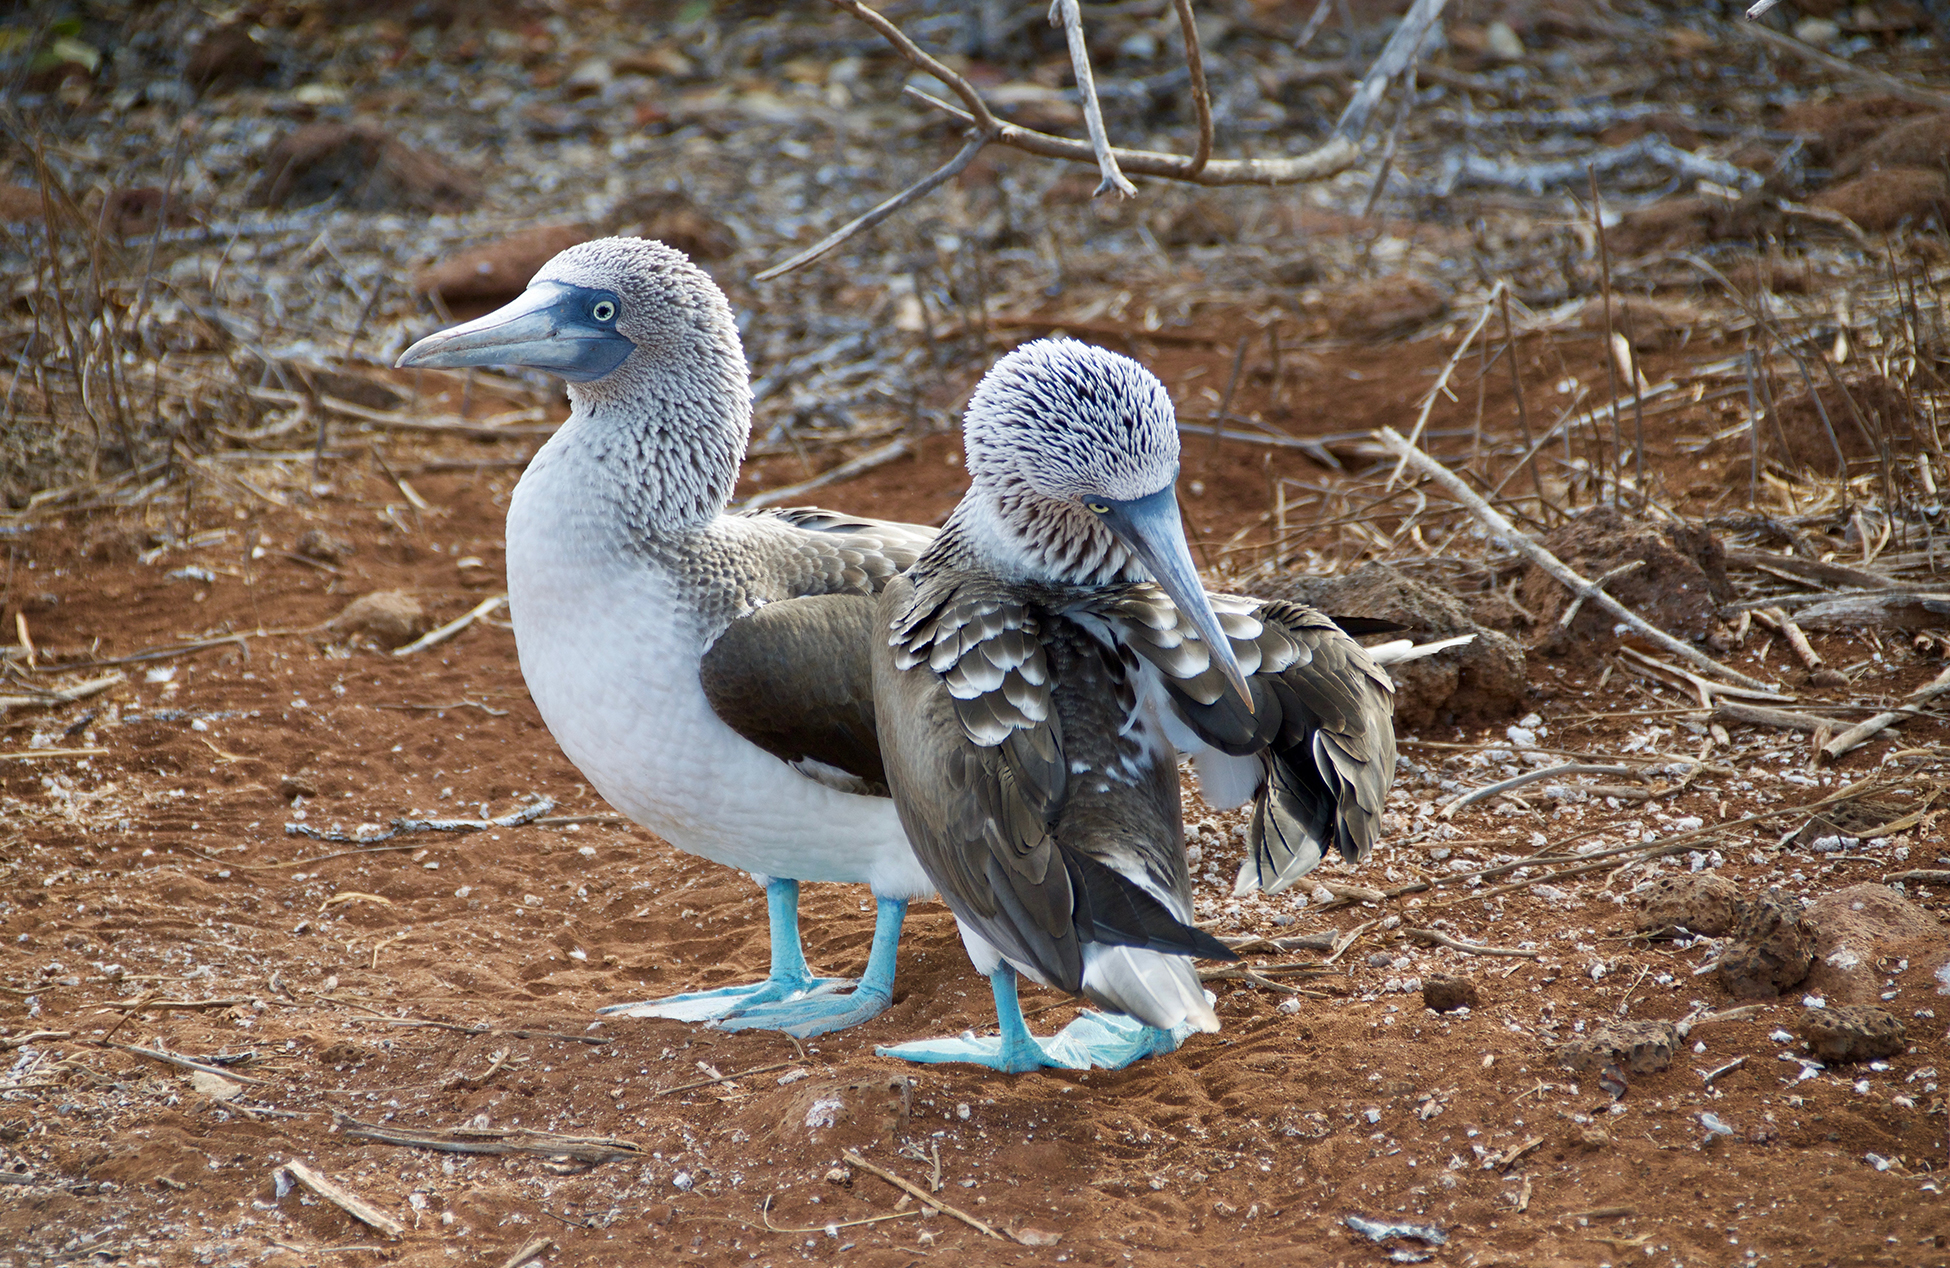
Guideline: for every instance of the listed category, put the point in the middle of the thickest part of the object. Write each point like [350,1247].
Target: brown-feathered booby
[707,672]
[1042,666]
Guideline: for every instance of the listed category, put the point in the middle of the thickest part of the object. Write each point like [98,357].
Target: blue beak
[1151,527]
[566,330]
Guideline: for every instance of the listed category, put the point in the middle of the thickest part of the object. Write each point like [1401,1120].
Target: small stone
[1772,951]
[302,784]
[391,617]
[1593,1138]
[322,546]
[1445,994]
[1699,903]
[1642,1047]
[227,57]
[215,1086]
[839,1175]
[1853,1032]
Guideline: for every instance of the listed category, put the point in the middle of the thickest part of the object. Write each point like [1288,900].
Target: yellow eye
[1098,507]
[603,310]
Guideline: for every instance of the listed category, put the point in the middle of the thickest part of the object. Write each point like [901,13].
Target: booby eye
[603,310]
[1099,507]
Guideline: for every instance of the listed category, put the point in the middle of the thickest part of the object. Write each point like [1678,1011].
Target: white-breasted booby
[708,673]
[1042,666]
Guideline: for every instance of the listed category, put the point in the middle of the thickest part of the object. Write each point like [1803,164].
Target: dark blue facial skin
[563,329]
[1150,526]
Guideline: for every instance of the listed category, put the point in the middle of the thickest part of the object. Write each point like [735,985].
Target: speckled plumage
[1036,688]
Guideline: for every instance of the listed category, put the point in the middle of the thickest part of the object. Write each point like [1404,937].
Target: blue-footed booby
[1042,666]
[708,673]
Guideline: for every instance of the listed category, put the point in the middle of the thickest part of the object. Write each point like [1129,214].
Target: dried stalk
[1068,14]
[1201,96]
[919,189]
[1501,527]
[1862,732]
[1442,380]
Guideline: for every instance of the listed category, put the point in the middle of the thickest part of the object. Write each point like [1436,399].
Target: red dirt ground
[154,868]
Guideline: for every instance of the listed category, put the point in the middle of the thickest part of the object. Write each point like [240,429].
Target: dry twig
[1501,527]
[352,1204]
[916,1191]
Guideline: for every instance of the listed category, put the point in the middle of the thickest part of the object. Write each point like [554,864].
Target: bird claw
[814,1014]
[728,1001]
[1104,1041]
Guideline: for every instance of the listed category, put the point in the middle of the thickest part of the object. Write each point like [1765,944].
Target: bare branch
[1330,158]
[1888,83]
[1201,96]
[1069,14]
[919,189]
[1397,56]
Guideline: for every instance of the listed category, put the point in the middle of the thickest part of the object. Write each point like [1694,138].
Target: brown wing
[1322,723]
[997,721]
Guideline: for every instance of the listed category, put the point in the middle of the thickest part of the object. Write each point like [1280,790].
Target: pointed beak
[548,328]
[1151,527]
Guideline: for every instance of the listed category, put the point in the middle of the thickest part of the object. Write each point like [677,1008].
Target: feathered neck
[663,436]
[1024,536]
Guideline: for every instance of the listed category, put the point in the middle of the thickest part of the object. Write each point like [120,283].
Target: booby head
[587,311]
[1072,455]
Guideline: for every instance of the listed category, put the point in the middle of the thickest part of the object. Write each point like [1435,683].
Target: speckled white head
[1071,421]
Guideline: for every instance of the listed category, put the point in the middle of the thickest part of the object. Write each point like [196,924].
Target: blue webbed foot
[727,1001]
[791,999]
[1106,1041]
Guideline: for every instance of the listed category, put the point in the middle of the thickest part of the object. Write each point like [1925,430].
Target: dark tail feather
[1112,910]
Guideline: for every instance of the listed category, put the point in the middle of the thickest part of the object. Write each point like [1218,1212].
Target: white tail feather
[1157,989]
[1400,650]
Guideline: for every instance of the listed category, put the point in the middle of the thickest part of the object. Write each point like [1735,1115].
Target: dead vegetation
[1651,301]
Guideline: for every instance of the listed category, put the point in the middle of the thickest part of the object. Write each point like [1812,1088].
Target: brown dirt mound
[496,272]
[1678,588]
[1888,197]
[1921,142]
[1871,412]
[364,167]
[1842,124]
[1677,224]
[1483,680]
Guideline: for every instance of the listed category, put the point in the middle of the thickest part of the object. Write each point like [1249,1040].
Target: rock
[1445,994]
[226,57]
[303,784]
[1772,950]
[1643,1047]
[1853,1032]
[1679,588]
[388,617]
[494,273]
[1698,903]
[364,167]
[1856,927]
[1889,197]
[1592,1138]
[1479,682]
[1920,142]
[1842,125]
[318,544]
[1387,306]
[675,219]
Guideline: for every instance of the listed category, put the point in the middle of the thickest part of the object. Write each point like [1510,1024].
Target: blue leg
[819,1013]
[1105,1040]
[789,976]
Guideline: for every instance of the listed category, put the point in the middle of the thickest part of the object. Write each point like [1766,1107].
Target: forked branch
[1340,151]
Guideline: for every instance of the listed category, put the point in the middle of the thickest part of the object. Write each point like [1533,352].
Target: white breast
[611,660]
